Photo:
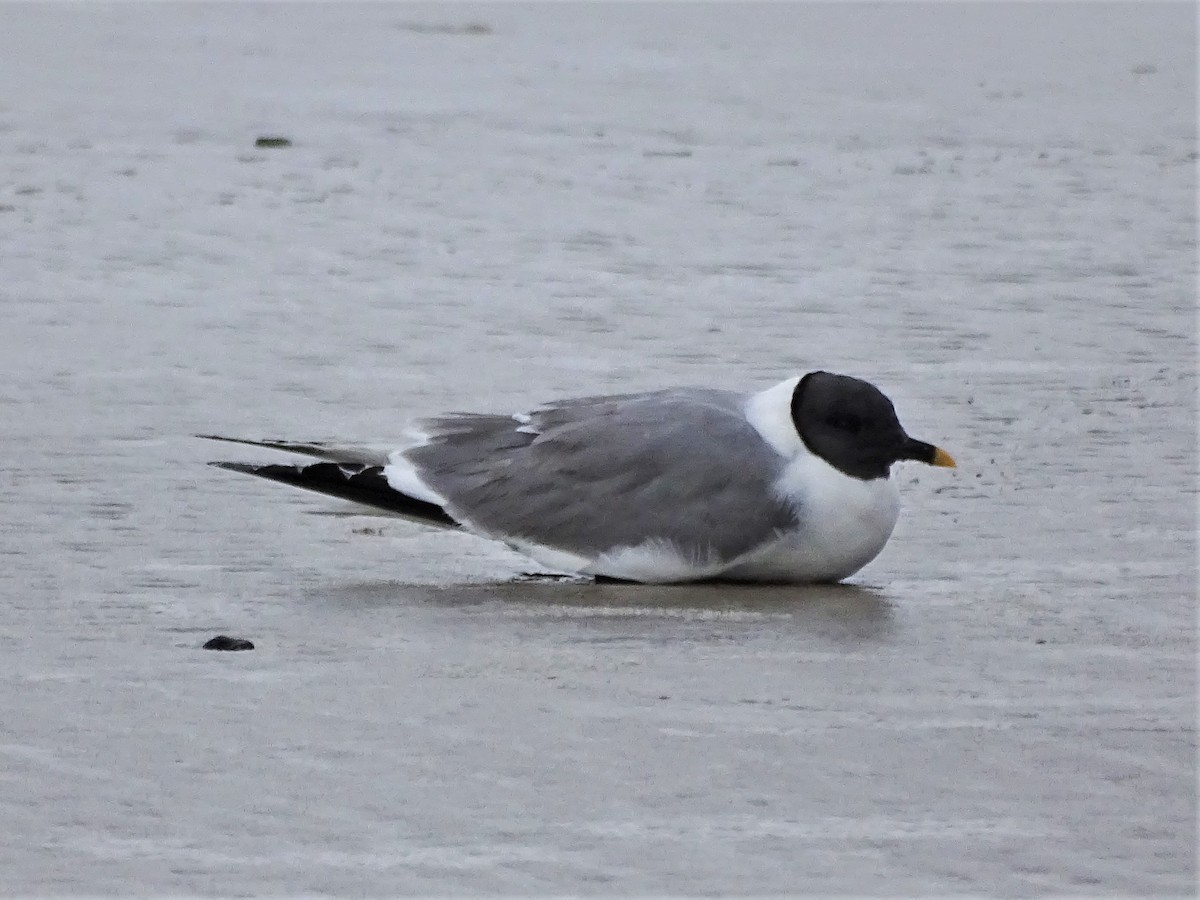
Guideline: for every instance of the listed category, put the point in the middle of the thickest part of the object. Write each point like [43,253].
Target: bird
[790,484]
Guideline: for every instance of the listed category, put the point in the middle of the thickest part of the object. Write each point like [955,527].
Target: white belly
[844,523]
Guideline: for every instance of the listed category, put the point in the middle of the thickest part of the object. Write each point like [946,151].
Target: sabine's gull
[790,484]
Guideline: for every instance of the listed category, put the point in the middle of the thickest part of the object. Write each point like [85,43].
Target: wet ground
[987,210]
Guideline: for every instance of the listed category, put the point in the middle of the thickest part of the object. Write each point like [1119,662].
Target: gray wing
[599,473]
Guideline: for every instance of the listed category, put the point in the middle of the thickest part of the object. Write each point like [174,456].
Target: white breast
[844,521]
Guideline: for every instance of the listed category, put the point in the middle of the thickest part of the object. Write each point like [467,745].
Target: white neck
[770,412]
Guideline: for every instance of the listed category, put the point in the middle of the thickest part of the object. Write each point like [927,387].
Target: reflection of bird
[790,484]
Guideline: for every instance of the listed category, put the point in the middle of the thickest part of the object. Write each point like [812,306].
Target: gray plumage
[599,473]
[787,484]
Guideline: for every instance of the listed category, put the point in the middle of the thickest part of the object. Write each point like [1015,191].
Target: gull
[790,484]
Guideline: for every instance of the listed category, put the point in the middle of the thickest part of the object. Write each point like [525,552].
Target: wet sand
[987,210]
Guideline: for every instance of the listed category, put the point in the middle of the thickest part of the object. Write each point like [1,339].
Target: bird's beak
[942,458]
[928,454]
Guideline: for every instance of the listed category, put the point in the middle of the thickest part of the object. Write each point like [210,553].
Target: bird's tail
[354,474]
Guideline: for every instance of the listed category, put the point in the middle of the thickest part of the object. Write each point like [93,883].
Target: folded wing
[591,476]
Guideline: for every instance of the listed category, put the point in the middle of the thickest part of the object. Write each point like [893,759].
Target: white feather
[402,476]
[654,561]
[555,560]
[770,412]
[844,524]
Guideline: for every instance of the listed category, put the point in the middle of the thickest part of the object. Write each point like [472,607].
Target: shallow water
[989,211]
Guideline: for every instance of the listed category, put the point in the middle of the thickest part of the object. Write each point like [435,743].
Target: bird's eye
[844,422]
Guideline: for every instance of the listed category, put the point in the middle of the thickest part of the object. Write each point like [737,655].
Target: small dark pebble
[272,141]
[225,642]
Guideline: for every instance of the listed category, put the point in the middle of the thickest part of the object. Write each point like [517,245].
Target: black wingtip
[246,442]
[218,437]
[357,483]
[233,466]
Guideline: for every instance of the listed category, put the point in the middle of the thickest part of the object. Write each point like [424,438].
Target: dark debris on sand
[224,642]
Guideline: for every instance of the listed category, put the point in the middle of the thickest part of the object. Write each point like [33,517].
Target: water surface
[987,210]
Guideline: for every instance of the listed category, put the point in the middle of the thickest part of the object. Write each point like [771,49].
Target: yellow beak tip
[944,459]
